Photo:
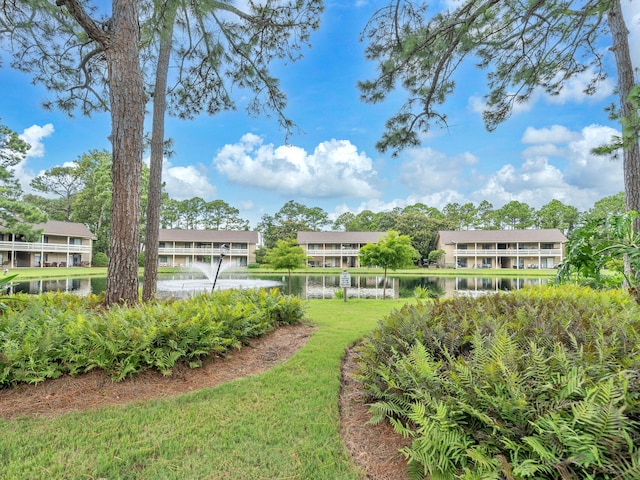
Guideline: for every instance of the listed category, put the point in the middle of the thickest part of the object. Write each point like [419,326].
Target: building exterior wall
[184,248]
[503,249]
[335,249]
[55,248]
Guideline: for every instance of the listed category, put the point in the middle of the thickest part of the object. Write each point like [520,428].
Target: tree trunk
[631,152]
[631,149]
[150,280]
[127,97]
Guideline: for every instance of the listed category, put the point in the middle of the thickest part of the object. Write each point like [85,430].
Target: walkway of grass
[282,424]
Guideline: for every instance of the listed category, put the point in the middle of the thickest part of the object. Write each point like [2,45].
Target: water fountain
[188,283]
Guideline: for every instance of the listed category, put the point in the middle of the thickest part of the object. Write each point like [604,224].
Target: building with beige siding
[519,249]
[335,249]
[62,244]
[183,248]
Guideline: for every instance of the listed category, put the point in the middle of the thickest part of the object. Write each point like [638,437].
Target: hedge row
[48,335]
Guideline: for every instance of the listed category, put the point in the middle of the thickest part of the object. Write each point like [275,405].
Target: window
[487,246]
[75,241]
[462,246]
[546,246]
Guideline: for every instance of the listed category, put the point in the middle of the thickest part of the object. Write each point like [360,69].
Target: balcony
[347,252]
[202,251]
[508,252]
[44,247]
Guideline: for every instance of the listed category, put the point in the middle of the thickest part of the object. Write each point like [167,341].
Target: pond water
[305,286]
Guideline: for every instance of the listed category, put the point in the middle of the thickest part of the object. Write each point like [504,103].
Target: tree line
[81,192]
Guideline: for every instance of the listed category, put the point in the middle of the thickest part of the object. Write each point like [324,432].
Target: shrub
[52,334]
[100,260]
[253,265]
[540,384]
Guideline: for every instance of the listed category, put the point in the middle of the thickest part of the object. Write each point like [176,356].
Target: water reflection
[79,286]
[305,286]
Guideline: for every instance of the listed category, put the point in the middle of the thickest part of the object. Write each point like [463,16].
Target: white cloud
[553,134]
[334,169]
[631,13]
[183,182]
[34,136]
[563,168]
[426,170]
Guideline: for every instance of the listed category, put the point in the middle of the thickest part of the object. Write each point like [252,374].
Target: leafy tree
[92,205]
[522,46]
[515,215]
[91,62]
[436,256]
[422,230]
[343,221]
[286,255]
[65,182]
[16,215]
[392,251]
[485,216]
[422,209]
[556,214]
[292,218]
[605,208]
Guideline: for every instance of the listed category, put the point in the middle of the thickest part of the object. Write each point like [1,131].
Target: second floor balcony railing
[44,247]
[329,252]
[201,251]
[508,252]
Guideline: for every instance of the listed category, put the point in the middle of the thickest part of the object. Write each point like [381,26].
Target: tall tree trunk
[628,113]
[631,151]
[127,97]
[150,280]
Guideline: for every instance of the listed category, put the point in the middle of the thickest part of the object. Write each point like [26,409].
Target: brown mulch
[373,448]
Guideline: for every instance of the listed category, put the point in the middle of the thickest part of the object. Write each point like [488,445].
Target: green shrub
[253,265]
[100,260]
[541,383]
[51,334]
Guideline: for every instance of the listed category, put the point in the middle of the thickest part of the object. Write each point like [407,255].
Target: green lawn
[282,424]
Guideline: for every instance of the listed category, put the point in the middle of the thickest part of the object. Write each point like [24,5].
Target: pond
[305,286]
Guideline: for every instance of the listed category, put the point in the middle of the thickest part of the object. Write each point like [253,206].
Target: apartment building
[62,244]
[521,249]
[335,249]
[182,248]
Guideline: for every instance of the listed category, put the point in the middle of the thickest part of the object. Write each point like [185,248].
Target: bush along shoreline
[541,383]
[52,334]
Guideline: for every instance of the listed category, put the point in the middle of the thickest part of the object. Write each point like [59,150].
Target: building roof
[448,237]
[70,229]
[305,238]
[208,236]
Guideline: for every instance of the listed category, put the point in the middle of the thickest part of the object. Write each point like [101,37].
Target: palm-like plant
[4,284]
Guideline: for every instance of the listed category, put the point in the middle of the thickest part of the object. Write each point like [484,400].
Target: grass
[282,424]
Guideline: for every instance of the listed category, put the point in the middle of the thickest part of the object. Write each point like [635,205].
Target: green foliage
[287,255]
[5,282]
[392,251]
[100,260]
[53,334]
[540,383]
[604,242]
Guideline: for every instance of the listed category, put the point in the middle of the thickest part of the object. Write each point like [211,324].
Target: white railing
[507,252]
[317,252]
[201,251]
[44,247]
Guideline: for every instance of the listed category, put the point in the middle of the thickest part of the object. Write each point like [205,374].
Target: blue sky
[542,152]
